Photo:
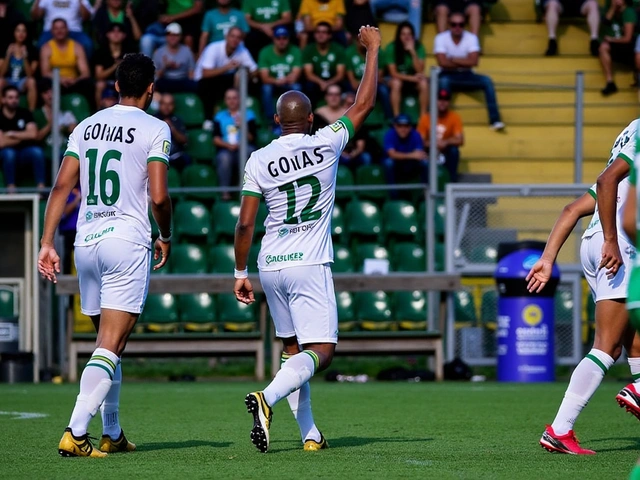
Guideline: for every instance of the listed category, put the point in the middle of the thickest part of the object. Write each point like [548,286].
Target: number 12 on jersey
[308,213]
[104,175]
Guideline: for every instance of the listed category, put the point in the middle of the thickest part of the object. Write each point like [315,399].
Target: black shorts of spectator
[472,10]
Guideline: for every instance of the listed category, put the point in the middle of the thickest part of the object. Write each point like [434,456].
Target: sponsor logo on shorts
[93,236]
[94,215]
[287,257]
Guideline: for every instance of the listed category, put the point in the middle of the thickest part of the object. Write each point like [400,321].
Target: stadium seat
[408,257]
[483,253]
[411,310]
[224,216]
[346,313]
[252,263]
[369,250]
[337,223]
[344,178]
[260,229]
[489,309]
[371,175]
[399,220]
[222,258]
[342,259]
[188,259]
[200,176]
[173,177]
[8,303]
[235,316]
[563,306]
[189,108]
[376,118]
[440,259]
[154,225]
[197,312]
[364,220]
[411,107]
[76,104]
[254,105]
[200,145]
[160,313]
[464,308]
[265,136]
[191,222]
[439,221]
[374,310]
[2,184]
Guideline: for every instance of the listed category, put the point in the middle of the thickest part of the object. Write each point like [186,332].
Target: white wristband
[164,239]
[240,274]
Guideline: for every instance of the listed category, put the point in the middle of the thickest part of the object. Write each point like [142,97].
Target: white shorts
[603,288]
[114,274]
[302,303]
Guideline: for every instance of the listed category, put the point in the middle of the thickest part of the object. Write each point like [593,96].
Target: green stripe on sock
[102,367]
[635,376]
[597,361]
[106,360]
[314,356]
[284,357]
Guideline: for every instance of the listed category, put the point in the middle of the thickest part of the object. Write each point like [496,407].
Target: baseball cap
[402,119]
[109,93]
[174,28]
[280,31]
[444,94]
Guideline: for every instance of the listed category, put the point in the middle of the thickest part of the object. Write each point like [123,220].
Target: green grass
[376,430]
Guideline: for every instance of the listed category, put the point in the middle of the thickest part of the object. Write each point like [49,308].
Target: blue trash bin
[525,334]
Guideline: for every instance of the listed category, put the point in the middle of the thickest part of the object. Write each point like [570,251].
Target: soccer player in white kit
[296,176]
[120,155]
[606,255]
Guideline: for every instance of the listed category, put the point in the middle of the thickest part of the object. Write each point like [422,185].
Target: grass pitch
[375,430]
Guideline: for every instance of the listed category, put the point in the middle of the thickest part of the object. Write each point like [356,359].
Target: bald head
[294,111]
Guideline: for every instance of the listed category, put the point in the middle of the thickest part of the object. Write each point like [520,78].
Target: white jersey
[114,147]
[296,175]
[625,148]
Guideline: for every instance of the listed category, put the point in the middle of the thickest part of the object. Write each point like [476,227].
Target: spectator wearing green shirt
[218,21]
[184,12]
[617,27]
[279,66]
[263,16]
[405,60]
[324,63]
[355,69]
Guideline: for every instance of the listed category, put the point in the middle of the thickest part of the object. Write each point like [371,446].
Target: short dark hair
[324,24]
[8,88]
[134,74]
[60,19]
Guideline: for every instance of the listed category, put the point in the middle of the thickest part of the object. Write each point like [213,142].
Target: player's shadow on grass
[626,444]
[349,442]
[148,447]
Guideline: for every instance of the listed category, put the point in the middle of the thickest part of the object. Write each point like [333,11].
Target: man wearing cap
[280,66]
[174,63]
[217,22]
[406,158]
[449,134]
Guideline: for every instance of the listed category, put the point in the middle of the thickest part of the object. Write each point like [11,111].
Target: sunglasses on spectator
[456,24]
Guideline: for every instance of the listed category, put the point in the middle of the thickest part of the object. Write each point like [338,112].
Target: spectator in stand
[108,57]
[358,13]
[405,159]
[554,8]
[44,116]
[217,67]
[471,9]
[67,227]
[324,63]
[450,136]
[355,69]
[68,55]
[333,109]
[9,18]
[178,158]
[314,12]
[457,52]
[280,66]
[174,64]
[397,11]
[356,152]
[263,16]
[20,65]
[18,133]
[618,25]
[226,137]
[72,12]
[109,98]
[218,21]
[185,12]
[114,11]
[405,60]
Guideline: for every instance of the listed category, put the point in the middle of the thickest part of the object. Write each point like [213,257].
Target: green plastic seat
[337,223]
[261,216]
[224,216]
[563,306]
[235,316]
[347,320]
[411,106]
[364,220]
[376,118]
[173,178]
[265,136]
[252,263]
[188,259]
[369,250]
[2,184]
[160,313]
[408,257]
[254,105]
[483,253]
[197,312]
[440,259]
[76,104]
[200,145]
[198,175]
[8,303]
[371,175]
[344,178]
[191,221]
[222,258]
[189,108]
[489,309]
[342,259]
[464,308]
[411,310]
[374,311]
[399,220]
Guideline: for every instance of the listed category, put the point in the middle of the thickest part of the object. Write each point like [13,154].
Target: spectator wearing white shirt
[217,67]
[74,12]
[457,52]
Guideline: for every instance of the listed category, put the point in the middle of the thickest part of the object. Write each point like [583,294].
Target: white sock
[111,405]
[300,404]
[94,385]
[584,381]
[634,366]
[294,373]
